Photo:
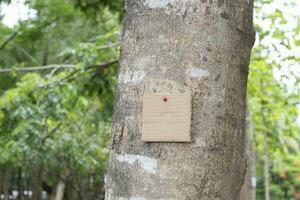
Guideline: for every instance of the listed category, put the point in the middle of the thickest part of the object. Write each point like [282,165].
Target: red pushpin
[165,98]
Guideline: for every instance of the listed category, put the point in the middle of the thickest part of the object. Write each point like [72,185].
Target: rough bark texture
[168,46]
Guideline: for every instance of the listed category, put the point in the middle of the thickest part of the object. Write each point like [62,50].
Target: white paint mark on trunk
[131,77]
[136,198]
[148,164]
[197,72]
[156,3]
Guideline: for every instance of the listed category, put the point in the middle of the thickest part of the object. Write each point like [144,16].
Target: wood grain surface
[166,120]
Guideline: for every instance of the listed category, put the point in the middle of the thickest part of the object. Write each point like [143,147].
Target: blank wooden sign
[166,117]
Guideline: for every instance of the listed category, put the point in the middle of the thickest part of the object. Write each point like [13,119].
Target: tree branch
[108,46]
[37,68]
[26,53]
[10,38]
[102,65]
[98,66]
[54,66]
[71,76]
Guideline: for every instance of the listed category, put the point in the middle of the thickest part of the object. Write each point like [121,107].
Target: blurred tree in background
[57,75]
[273,94]
[55,121]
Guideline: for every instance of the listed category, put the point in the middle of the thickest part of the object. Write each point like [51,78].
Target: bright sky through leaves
[15,12]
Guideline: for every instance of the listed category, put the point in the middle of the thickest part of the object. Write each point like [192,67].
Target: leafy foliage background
[55,123]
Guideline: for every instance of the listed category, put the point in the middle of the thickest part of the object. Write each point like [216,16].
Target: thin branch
[51,132]
[71,76]
[37,68]
[108,46]
[100,69]
[52,72]
[27,54]
[9,38]
[98,66]
[57,66]
[102,65]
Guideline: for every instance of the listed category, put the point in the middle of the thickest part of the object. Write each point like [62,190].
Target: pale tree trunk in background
[248,191]
[266,169]
[61,186]
[60,190]
[265,148]
[170,46]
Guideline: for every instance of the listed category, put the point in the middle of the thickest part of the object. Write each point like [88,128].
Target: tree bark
[170,46]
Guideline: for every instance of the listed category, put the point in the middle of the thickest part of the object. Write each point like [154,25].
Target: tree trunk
[266,169]
[170,46]
[60,190]
[1,179]
[248,191]
[265,148]
[61,186]
[20,185]
[6,182]
[71,194]
[37,185]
